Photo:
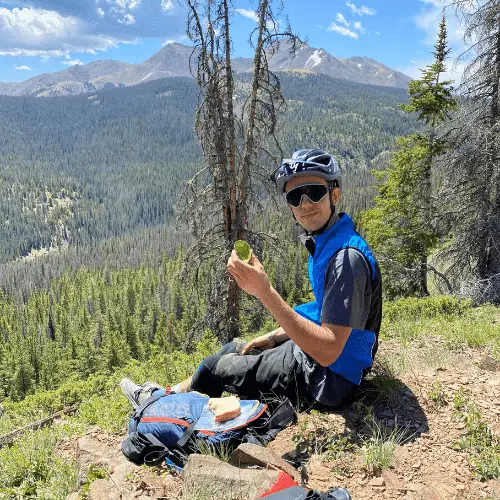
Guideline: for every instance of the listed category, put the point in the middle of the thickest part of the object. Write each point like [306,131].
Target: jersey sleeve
[347,292]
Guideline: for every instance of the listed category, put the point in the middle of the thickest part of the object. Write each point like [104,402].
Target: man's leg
[272,373]
[186,384]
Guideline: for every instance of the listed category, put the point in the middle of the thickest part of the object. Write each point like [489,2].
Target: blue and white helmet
[307,162]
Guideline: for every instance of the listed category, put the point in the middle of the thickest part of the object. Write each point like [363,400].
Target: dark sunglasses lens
[314,192]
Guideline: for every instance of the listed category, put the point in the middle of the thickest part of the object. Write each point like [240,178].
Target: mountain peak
[173,59]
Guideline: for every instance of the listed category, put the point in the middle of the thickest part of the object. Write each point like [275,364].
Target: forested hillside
[94,179]
[79,170]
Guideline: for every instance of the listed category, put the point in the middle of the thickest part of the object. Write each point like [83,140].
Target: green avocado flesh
[243,250]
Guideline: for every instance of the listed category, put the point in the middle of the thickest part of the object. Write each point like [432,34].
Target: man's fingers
[247,347]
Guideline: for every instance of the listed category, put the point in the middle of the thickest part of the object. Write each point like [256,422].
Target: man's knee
[204,379]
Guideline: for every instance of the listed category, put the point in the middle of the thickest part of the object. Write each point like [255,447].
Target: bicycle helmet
[307,162]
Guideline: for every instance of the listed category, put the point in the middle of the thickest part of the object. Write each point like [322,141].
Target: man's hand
[251,277]
[263,343]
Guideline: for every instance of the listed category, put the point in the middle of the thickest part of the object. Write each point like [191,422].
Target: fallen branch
[12,435]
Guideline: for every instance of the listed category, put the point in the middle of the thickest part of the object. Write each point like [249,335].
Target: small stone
[412,487]
[377,481]
[489,363]
[460,487]
[417,465]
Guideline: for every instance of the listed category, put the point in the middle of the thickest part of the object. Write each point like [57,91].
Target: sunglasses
[315,193]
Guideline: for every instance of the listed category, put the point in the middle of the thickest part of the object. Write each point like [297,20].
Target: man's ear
[336,195]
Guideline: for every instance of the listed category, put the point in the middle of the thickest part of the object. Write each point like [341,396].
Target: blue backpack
[171,425]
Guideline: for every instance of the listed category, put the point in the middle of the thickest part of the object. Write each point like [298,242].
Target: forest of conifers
[100,209]
[96,178]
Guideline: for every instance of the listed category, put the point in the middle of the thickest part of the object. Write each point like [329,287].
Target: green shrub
[31,469]
[436,395]
[379,449]
[413,308]
[478,440]
[455,320]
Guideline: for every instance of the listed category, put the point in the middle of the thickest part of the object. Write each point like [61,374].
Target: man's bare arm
[323,343]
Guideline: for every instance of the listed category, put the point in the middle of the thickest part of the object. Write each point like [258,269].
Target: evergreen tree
[471,192]
[402,226]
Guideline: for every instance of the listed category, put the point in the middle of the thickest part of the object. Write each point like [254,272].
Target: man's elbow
[326,361]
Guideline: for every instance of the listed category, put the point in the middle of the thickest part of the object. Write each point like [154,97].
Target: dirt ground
[427,466]
[419,397]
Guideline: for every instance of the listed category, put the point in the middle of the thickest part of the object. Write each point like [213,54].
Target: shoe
[138,394]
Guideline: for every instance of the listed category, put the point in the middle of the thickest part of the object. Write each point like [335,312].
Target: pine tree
[402,226]
[471,193]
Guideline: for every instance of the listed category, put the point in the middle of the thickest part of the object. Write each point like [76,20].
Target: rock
[252,454]
[392,481]
[377,481]
[103,489]
[431,493]
[489,363]
[119,466]
[73,496]
[412,487]
[156,484]
[208,476]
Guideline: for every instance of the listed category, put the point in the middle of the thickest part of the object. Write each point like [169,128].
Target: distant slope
[90,167]
[73,80]
[356,69]
[172,60]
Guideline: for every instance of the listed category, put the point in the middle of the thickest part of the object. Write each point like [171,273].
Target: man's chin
[309,227]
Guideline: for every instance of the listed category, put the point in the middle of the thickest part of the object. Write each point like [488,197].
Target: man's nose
[305,202]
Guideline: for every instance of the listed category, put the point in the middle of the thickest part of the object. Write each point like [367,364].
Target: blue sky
[38,36]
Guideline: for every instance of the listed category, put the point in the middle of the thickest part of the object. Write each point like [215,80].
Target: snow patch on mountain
[315,57]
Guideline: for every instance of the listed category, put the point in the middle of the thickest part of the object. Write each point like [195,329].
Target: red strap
[283,482]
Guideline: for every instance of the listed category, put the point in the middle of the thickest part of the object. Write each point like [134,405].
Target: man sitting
[322,350]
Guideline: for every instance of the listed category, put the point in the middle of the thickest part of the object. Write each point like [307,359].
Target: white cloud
[46,33]
[72,62]
[122,10]
[251,14]
[377,32]
[167,5]
[341,30]
[124,5]
[342,20]
[360,11]
[100,12]
[168,42]
[23,68]
[437,3]
[127,19]
[358,27]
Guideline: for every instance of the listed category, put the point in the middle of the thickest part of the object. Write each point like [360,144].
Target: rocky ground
[421,397]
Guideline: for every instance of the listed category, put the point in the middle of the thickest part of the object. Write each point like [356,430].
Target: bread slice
[224,408]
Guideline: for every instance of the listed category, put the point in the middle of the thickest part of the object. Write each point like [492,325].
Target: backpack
[172,425]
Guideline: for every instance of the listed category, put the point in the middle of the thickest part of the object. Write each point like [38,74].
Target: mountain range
[173,60]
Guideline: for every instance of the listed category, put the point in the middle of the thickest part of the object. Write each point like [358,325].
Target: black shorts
[270,373]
